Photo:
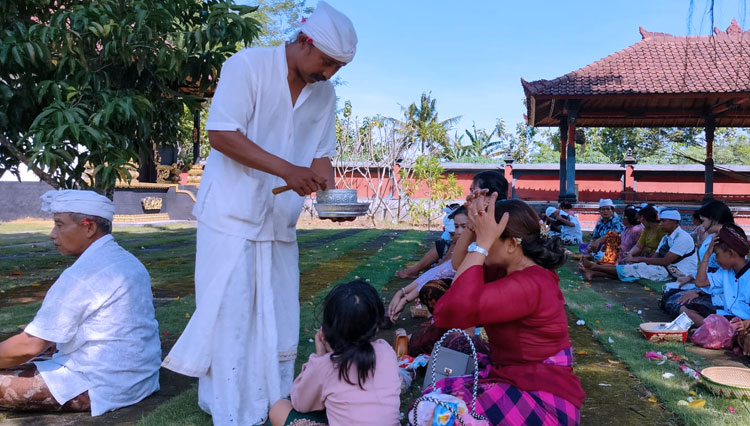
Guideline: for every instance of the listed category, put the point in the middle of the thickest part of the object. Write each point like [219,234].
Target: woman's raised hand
[483,222]
[478,196]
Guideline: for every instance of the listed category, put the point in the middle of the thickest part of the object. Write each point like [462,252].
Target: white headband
[78,201]
[331,32]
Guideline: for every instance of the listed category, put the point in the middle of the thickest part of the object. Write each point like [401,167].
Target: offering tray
[657,332]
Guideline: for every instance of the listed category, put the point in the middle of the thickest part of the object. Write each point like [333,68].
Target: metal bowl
[337,196]
[341,210]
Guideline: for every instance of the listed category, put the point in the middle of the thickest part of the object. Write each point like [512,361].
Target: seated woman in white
[99,315]
[440,271]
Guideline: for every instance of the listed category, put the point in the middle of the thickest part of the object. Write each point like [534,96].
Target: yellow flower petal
[697,403]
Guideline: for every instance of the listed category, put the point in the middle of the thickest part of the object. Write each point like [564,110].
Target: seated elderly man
[98,315]
[675,256]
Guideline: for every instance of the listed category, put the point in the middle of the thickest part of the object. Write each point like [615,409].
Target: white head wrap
[549,211]
[331,32]
[77,201]
[670,214]
[606,202]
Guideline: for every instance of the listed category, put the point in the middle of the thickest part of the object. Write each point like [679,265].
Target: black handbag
[451,363]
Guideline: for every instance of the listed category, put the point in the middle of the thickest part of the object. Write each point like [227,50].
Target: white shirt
[571,232]
[736,292]
[100,313]
[681,243]
[253,97]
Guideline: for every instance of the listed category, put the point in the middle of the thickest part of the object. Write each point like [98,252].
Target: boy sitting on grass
[731,248]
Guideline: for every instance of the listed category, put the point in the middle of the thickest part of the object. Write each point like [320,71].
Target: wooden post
[508,158]
[629,190]
[709,170]
[563,164]
[571,169]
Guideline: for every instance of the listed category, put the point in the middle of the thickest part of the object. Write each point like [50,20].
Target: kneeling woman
[523,314]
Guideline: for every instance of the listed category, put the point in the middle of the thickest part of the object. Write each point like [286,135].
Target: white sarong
[634,271]
[242,339]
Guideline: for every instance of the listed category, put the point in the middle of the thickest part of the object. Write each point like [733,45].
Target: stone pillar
[628,193]
[563,163]
[508,158]
[709,170]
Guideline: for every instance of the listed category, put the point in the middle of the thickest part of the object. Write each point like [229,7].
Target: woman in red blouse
[531,379]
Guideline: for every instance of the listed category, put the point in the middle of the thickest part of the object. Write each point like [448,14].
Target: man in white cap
[675,256]
[271,123]
[608,221]
[98,315]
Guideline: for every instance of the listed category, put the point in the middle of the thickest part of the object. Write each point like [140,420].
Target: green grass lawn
[328,257]
[617,330]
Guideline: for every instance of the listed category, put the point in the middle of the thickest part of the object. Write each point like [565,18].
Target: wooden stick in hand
[280,189]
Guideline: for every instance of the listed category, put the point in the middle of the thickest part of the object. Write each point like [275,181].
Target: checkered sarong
[507,405]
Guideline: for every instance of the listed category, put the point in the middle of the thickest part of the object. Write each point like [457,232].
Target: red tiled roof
[661,81]
[661,63]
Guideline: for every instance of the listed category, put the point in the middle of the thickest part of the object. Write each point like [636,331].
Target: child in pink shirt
[349,380]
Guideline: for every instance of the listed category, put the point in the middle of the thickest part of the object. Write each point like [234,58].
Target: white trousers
[242,340]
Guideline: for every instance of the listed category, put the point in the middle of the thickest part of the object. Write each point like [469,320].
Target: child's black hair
[351,312]
[492,181]
[458,211]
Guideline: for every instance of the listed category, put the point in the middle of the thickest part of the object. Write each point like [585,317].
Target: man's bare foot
[405,273]
[588,275]
[586,263]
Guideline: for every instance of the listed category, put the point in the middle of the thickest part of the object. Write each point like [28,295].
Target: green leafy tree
[279,19]
[429,174]
[97,83]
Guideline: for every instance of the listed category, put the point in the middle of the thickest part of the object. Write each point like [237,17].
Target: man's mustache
[319,77]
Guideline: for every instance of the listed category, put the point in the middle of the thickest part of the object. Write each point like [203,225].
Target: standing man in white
[271,123]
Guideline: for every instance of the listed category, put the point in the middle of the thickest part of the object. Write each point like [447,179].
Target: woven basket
[729,382]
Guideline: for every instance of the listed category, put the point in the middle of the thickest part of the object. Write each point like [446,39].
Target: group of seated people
[100,349]
[705,270]
[94,343]
[496,271]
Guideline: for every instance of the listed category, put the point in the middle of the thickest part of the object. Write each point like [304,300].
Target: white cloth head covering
[549,211]
[331,32]
[670,214]
[606,202]
[78,201]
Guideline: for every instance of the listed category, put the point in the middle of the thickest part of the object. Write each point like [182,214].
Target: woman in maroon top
[531,379]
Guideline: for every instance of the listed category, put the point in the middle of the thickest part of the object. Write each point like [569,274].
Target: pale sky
[471,55]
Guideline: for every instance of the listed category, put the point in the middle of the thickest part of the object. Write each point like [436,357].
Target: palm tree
[421,124]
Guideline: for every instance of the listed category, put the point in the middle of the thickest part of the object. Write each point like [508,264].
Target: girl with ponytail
[349,379]
[531,377]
